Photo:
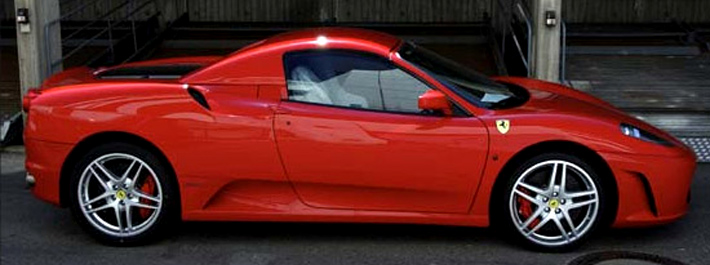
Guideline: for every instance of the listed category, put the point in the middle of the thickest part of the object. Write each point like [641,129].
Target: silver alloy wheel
[554,203]
[114,203]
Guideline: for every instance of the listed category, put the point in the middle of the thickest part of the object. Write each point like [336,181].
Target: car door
[351,136]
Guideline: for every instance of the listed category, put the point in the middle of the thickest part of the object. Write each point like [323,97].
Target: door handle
[281,111]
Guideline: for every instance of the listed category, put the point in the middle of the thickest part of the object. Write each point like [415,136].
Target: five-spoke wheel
[120,204]
[121,192]
[554,201]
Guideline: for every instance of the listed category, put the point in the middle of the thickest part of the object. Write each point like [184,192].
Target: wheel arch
[570,148]
[86,144]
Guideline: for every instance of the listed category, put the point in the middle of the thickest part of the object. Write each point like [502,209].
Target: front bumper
[44,163]
[653,190]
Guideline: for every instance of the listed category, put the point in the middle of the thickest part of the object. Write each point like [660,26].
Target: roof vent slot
[168,71]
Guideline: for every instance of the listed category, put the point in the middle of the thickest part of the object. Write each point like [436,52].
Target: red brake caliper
[525,210]
[148,187]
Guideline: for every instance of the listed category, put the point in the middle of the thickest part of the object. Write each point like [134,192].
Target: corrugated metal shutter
[254,10]
[100,8]
[360,11]
[407,11]
[636,11]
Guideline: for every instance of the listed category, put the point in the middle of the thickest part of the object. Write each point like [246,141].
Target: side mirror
[435,101]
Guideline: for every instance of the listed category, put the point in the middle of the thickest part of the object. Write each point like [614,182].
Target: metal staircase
[104,32]
[511,26]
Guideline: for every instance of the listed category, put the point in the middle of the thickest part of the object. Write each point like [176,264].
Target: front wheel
[553,202]
[122,194]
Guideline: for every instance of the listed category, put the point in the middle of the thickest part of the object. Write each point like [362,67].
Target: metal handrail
[520,52]
[75,11]
[528,25]
[131,10]
[101,18]
[563,51]
[95,36]
[505,28]
[516,8]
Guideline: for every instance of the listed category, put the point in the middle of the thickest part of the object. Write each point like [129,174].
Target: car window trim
[463,113]
[379,111]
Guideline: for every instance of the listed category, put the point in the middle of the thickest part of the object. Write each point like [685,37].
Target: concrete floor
[33,232]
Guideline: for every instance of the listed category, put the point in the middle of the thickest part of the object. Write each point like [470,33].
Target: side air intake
[197,95]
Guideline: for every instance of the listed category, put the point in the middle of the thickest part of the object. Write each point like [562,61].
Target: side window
[351,79]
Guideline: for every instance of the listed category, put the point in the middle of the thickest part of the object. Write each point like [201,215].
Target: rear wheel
[122,194]
[553,202]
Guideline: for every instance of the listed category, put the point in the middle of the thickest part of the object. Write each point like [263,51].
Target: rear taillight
[32,93]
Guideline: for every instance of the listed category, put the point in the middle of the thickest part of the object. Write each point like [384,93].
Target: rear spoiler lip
[70,76]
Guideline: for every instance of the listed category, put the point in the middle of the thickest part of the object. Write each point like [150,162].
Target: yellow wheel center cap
[554,203]
[120,194]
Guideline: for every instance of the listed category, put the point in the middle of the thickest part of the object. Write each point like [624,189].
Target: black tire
[508,221]
[167,215]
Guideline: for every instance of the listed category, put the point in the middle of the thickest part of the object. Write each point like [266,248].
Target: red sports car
[344,125]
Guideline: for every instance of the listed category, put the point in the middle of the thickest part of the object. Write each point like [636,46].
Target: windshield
[473,86]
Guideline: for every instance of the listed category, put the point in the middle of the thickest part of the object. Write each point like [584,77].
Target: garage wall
[255,10]
[7,8]
[409,11]
[420,11]
[370,11]
[635,11]
[100,8]
[439,11]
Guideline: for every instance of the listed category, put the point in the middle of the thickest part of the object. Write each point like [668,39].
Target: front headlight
[632,131]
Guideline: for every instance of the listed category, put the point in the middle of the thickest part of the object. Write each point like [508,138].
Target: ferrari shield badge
[503,126]
[120,194]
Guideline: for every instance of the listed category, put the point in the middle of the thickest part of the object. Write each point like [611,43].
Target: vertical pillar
[33,54]
[546,40]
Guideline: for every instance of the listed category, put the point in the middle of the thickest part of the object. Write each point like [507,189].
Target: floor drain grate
[701,146]
[623,257]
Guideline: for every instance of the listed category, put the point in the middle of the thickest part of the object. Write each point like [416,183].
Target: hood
[556,99]
[542,90]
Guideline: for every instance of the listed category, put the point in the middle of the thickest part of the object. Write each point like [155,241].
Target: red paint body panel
[667,179]
[256,156]
[46,163]
[380,161]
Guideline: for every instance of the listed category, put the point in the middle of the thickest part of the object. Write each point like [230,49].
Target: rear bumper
[44,162]
[653,190]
